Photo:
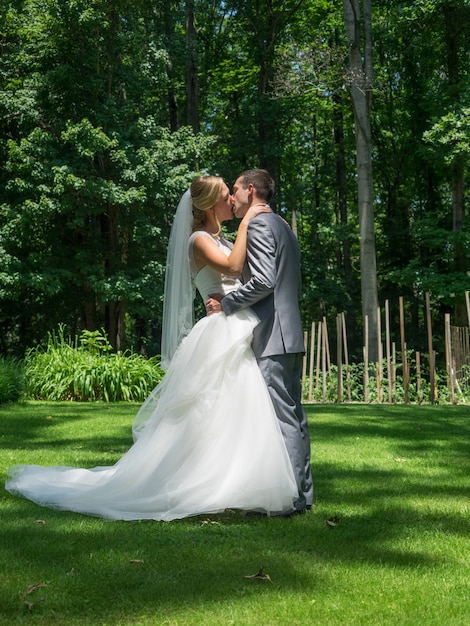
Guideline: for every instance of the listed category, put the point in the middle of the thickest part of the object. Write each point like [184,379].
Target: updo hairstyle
[205,193]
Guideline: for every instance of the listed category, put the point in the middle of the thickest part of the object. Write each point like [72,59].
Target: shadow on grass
[189,563]
[26,427]
[403,456]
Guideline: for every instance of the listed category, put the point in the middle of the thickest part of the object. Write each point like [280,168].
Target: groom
[271,288]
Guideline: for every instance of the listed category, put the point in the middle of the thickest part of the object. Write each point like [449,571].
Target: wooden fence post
[310,369]
[366,358]
[327,345]
[387,350]
[324,359]
[319,344]
[378,379]
[304,362]
[403,351]
[346,356]
[449,358]
[418,378]
[339,356]
[432,378]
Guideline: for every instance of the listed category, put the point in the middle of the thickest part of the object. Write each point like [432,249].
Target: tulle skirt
[205,440]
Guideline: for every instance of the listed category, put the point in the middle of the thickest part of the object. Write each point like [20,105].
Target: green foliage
[11,380]
[451,136]
[92,174]
[96,149]
[88,370]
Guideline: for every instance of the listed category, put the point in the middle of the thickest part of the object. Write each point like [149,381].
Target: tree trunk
[191,68]
[358,31]
[454,20]
[172,99]
[458,217]
[114,309]
[344,260]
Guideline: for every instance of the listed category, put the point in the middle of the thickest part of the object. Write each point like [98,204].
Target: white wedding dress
[207,438]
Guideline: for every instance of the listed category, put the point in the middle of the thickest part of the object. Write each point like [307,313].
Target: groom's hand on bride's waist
[213,303]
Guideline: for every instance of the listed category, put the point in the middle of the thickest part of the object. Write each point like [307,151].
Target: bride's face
[223,207]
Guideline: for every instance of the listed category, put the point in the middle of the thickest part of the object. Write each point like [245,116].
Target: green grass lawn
[387,543]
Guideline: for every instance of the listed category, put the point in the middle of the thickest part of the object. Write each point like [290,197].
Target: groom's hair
[261,181]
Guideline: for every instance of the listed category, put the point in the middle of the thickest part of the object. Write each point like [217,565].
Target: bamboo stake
[394,371]
[379,355]
[432,378]
[408,369]
[403,351]
[319,343]
[310,369]
[467,301]
[327,345]
[456,381]
[387,350]
[323,363]
[366,358]
[304,363]
[339,355]
[449,368]
[418,378]
[346,356]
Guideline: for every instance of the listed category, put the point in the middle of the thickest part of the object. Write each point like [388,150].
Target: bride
[207,438]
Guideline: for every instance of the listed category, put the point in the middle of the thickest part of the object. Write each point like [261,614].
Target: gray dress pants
[282,374]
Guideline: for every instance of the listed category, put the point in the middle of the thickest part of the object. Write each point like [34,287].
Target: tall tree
[192,83]
[457,40]
[358,25]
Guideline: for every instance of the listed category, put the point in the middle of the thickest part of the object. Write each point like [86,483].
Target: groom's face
[241,197]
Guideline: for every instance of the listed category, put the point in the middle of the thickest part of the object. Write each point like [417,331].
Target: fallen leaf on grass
[400,459]
[40,522]
[136,561]
[210,522]
[29,590]
[260,575]
[332,521]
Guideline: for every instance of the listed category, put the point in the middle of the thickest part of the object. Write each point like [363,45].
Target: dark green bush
[11,380]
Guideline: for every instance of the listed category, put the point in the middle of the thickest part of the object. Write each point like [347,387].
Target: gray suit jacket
[271,287]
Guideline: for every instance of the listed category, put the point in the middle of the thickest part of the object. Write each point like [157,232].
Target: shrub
[87,369]
[11,380]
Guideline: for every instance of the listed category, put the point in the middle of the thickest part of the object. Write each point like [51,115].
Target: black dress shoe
[255,514]
[292,513]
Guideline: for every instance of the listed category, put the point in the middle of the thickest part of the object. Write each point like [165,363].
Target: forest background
[108,109]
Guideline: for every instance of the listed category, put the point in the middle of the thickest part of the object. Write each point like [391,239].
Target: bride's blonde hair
[205,193]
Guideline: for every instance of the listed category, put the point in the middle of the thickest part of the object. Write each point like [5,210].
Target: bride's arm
[206,252]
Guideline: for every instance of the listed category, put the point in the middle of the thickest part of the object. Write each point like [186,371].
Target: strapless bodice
[208,280]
